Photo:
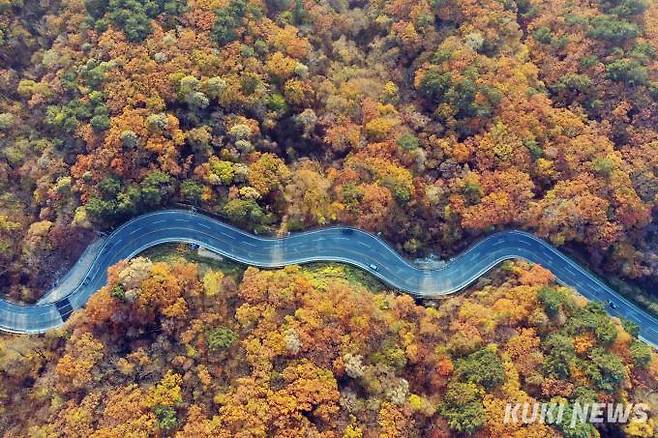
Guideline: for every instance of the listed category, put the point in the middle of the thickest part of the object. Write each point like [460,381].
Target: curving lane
[340,244]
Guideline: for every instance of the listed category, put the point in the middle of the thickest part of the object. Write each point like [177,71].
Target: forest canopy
[174,348]
[432,122]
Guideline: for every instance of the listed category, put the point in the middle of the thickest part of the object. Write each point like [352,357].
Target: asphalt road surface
[339,244]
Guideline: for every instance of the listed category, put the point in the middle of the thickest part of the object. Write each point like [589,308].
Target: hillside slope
[431,121]
[170,347]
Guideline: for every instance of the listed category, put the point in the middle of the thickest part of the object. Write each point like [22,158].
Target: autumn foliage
[180,349]
[433,122]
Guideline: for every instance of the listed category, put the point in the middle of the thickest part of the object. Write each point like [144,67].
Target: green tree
[543,34]
[605,370]
[573,83]
[462,407]
[221,338]
[129,201]
[100,122]
[191,191]
[244,211]
[631,327]
[408,141]
[482,367]
[109,187]
[624,8]
[100,208]
[166,418]
[560,354]
[227,20]
[594,319]
[435,84]
[132,16]
[156,188]
[627,71]
[554,300]
[641,353]
[612,29]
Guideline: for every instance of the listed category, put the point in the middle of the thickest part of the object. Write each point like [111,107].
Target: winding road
[339,244]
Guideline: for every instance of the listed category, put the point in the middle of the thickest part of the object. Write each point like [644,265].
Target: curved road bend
[339,244]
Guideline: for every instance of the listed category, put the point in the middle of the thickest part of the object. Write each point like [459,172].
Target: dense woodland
[174,348]
[431,121]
